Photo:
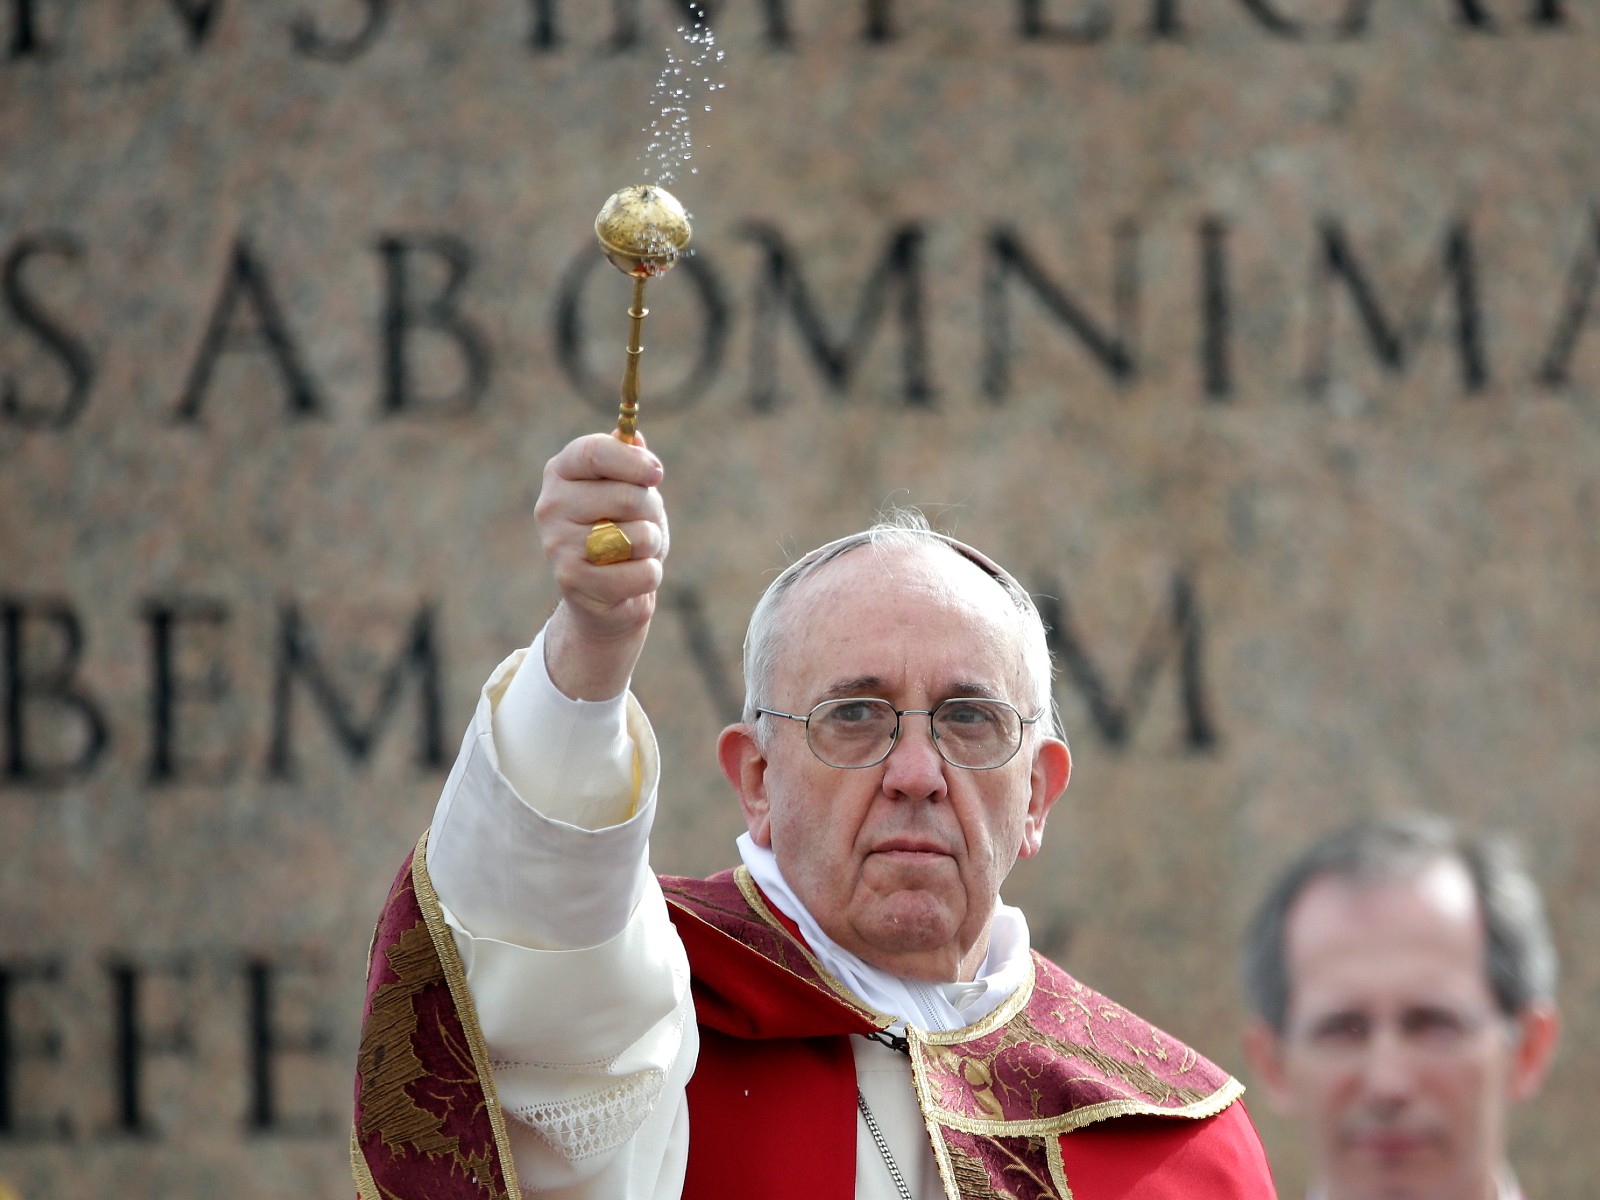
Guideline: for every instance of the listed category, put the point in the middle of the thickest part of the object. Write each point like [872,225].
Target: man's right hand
[598,631]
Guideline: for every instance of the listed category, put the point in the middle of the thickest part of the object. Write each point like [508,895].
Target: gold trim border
[1002,1015]
[1058,1167]
[758,905]
[455,975]
[366,1186]
[1106,1110]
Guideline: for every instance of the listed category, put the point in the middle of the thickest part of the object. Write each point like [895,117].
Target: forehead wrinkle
[875,686]
[910,570]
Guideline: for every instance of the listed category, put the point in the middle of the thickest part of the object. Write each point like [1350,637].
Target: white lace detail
[594,1066]
[597,1122]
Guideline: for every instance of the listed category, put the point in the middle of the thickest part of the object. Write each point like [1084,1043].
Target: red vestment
[1059,1093]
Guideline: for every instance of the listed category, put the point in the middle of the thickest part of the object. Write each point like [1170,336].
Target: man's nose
[915,769]
[1389,1066]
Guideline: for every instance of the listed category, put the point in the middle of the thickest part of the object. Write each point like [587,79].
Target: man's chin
[912,933]
[1396,1169]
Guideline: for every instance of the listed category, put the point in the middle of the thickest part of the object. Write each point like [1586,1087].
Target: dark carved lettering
[686,602]
[267,1043]
[1008,257]
[1576,310]
[1393,342]
[16,1046]
[405,314]
[297,659]
[1469,14]
[246,280]
[601,391]
[542,32]
[133,1043]
[781,284]
[880,21]
[67,350]
[197,16]
[170,687]
[1181,630]
[1473,15]
[308,40]
[625,19]
[25,41]
[1166,21]
[1215,309]
[29,684]
[1093,25]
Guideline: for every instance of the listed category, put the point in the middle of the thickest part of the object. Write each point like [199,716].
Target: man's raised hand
[599,627]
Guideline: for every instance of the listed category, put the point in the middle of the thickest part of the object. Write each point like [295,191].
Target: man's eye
[1340,1031]
[967,713]
[1434,1025]
[854,712]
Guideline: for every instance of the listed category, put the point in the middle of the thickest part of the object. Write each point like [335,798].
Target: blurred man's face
[1394,1055]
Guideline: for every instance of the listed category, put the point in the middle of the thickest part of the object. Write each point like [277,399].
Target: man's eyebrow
[873,685]
[860,685]
[984,691]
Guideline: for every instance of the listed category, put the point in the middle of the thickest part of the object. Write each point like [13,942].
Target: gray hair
[896,528]
[1520,961]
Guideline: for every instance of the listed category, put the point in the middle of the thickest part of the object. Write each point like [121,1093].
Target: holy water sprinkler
[642,230]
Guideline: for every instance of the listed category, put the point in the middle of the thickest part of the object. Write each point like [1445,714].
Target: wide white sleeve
[580,982]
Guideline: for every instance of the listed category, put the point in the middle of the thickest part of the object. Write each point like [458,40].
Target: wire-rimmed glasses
[972,732]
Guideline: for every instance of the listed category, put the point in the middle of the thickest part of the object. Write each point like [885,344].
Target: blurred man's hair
[1521,958]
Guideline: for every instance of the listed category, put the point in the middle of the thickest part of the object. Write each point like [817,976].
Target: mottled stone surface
[1289,327]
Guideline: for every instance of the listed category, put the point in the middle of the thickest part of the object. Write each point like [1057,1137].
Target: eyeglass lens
[971,733]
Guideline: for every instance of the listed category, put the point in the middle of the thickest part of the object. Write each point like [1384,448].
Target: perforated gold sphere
[642,229]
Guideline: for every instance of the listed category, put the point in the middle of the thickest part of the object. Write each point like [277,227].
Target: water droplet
[685,79]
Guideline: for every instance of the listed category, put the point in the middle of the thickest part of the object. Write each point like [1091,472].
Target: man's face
[900,863]
[1395,1055]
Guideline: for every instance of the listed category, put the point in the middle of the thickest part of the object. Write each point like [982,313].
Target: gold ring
[607,544]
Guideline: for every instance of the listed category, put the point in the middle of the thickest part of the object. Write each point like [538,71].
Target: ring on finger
[607,544]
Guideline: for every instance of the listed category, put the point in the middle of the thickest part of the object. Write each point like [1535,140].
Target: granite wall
[1258,336]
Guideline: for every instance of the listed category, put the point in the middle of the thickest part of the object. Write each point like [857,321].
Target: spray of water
[686,84]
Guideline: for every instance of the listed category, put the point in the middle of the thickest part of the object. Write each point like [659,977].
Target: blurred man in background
[1402,977]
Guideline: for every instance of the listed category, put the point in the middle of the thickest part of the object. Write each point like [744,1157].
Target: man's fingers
[599,456]
[601,590]
[604,500]
[591,481]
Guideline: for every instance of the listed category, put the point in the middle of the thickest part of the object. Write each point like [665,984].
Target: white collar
[934,1006]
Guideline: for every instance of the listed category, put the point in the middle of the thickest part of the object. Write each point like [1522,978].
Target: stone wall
[1258,336]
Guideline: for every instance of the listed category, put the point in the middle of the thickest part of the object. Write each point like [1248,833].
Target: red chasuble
[1059,1093]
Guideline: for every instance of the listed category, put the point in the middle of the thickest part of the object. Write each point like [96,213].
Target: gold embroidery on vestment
[444,943]
[388,1059]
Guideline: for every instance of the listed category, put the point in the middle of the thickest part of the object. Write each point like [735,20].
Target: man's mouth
[910,848]
[1391,1145]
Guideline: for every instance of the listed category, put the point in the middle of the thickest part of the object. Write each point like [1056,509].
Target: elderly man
[852,1012]
[1402,977]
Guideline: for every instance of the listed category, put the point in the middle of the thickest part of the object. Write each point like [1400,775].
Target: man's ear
[1263,1050]
[1052,767]
[1538,1029]
[746,768]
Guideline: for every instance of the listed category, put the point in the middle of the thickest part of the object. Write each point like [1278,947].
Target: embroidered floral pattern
[425,1114]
